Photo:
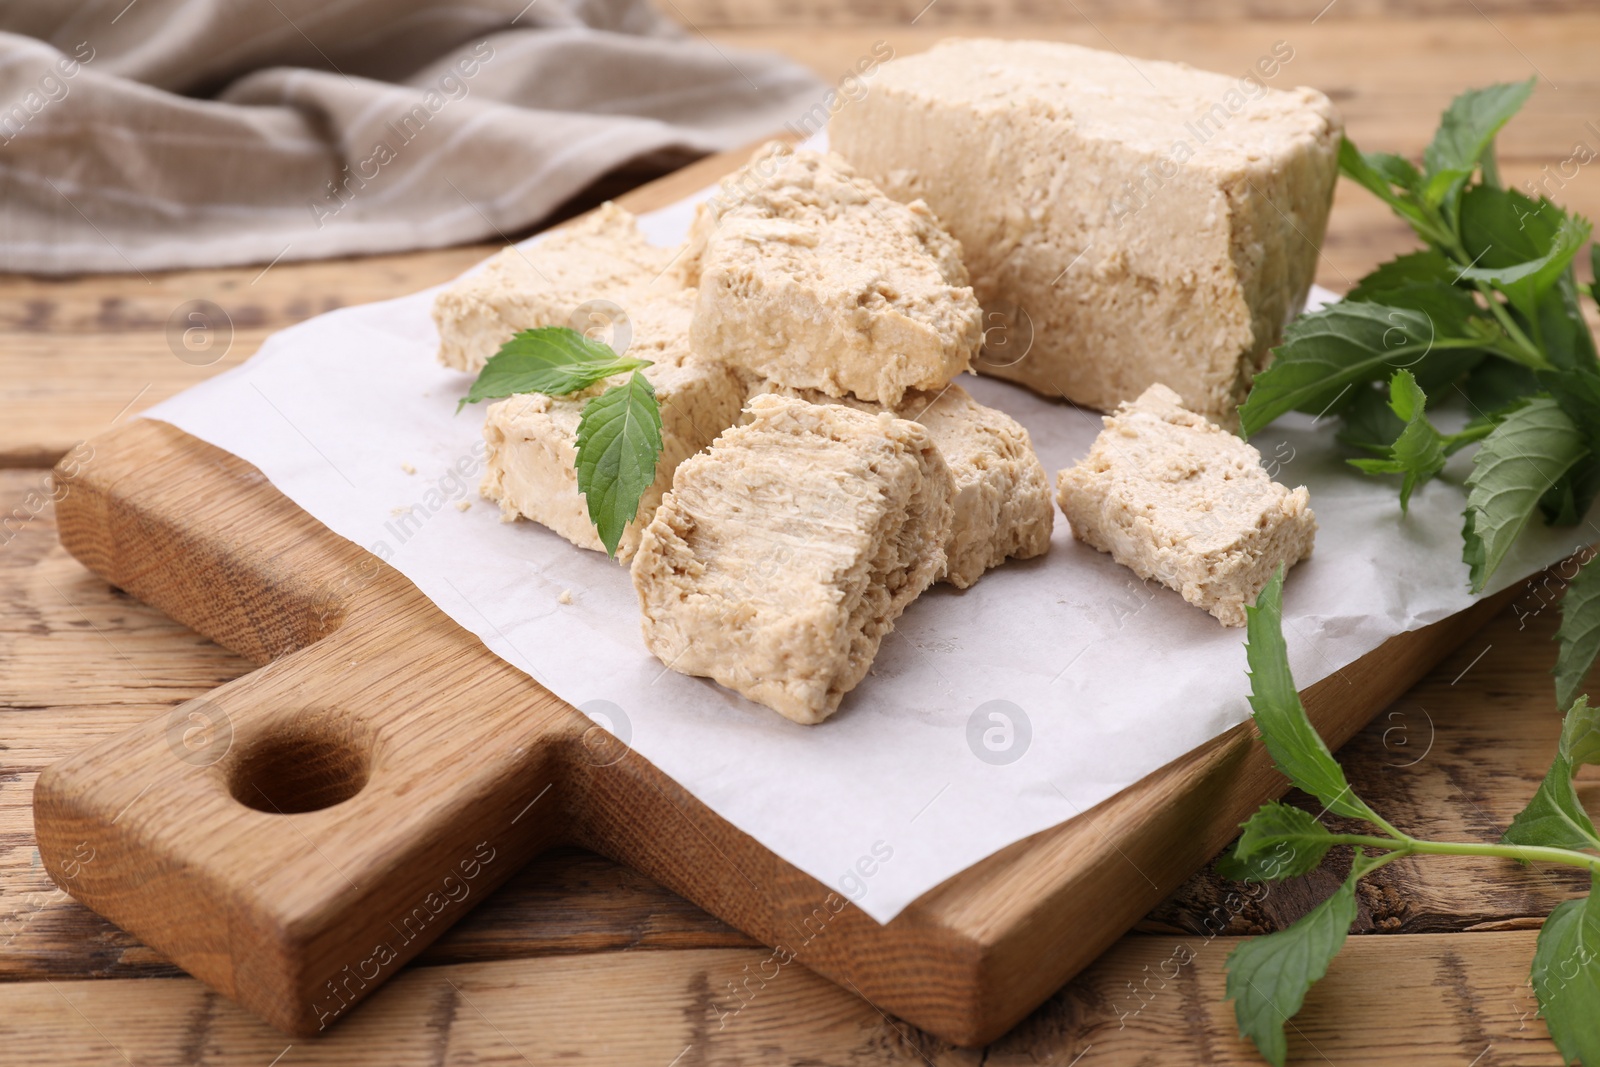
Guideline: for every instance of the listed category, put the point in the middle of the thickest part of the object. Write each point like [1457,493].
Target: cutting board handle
[293,837]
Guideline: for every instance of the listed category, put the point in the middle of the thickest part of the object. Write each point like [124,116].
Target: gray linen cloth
[159,134]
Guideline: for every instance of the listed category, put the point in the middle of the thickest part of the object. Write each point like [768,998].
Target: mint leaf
[553,360]
[1279,841]
[1525,282]
[1406,398]
[1379,173]
[1268,977]
[1566,976]
[1425,281]
[619,443]
[1555,816]
[1574,379]
[1580,632]
[1420,451]
[1566,960]
[619,432]
[1524,247]
[1519,462]
[1397,170]
[1426,267]
[1369,423]
[1442,190]
[1468,126]
[1373,171]
[1502,227]
[1325,354]
[1293,742]
[1496,384]
[1580,733]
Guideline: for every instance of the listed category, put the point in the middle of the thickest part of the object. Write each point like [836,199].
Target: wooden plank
[1439,999]
[1444,999]
[633,1009]
[77,352]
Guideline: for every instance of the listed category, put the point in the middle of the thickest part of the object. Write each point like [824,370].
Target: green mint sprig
[1269,976]
[619,442]
[1489,310]
[1579,635]
[619,431]
[1418,451]
[553,360]
[1531,450]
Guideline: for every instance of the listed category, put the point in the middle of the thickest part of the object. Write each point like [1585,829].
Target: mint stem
[1523,350]
[1404,845]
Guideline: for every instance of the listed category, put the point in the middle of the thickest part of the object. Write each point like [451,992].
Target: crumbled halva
[601,257]
[812,277]
[1001,496]
[532,439]
[783,554]
[1125,221]
[1174,497]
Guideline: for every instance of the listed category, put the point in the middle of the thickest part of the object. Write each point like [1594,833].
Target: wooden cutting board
[295,836]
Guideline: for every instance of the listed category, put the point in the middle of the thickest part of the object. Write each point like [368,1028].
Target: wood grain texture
[1150,1000]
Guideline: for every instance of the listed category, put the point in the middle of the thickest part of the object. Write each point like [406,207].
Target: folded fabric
[162,134]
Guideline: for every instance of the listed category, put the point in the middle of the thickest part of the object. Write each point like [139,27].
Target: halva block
[1003,508]
[1175,498]
[812,277]
[597,264]
[784,554]
[1124,221]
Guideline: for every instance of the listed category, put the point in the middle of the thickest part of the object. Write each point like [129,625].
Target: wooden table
[581,961]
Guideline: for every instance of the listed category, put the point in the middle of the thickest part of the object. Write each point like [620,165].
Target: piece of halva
[594,265]
[1125,221]
[784,554]
[812,277]
[1175,498]
[1003,508]
[530,464]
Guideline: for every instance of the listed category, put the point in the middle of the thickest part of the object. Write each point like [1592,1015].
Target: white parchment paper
[990,714]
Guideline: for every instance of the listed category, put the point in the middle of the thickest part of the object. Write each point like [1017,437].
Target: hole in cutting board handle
[297,772]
